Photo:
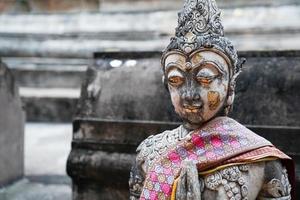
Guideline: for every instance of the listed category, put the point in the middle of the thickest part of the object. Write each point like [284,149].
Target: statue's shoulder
[229,126]
[155,145]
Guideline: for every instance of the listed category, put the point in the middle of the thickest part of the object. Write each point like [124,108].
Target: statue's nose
[190,97]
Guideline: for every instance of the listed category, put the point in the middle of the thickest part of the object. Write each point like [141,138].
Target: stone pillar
[11,129]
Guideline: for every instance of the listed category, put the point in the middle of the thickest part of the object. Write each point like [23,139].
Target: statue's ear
[230,97]
[238,70]
[229,102]
[231,89]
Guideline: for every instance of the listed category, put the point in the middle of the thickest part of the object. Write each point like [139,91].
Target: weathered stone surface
[142,98]
[91,190]
[267,90]
[54,109]
[12,128]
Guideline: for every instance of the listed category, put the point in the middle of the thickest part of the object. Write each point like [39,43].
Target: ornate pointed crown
[199,17]
[199,26]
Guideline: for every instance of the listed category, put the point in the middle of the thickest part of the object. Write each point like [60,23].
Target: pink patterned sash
[219,140]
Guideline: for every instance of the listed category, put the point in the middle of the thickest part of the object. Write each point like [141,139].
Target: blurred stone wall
[41,6]
[50,6]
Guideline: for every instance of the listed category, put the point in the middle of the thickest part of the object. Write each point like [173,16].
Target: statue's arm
[276,184]
[136,181]
[137,174]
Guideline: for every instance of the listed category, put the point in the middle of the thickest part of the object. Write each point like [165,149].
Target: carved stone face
[198,84]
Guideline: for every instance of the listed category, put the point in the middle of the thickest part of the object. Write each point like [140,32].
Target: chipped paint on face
[197,58]
[213,99]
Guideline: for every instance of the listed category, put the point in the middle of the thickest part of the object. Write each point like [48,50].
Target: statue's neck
[190,127]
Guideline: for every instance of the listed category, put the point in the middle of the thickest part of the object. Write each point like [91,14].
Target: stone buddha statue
[210,156]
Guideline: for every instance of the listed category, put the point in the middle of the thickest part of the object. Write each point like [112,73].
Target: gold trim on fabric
[174,188]
[237,163]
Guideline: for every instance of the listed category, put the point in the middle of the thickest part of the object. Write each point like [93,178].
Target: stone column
[12,119]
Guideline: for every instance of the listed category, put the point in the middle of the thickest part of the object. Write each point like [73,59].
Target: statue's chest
[233,183]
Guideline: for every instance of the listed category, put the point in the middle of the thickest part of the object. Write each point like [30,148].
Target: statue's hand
[188,187]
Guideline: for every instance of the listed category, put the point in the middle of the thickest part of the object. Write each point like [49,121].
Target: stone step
[85,48]
[47,72]
[264,18]
[48,78]
[49,87]
[78,35]
[133,5]
[46,63]
[71,93]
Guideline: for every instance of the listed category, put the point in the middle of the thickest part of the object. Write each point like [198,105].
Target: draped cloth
[220,141]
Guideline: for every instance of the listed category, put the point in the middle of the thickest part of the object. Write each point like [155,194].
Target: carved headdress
[199,26]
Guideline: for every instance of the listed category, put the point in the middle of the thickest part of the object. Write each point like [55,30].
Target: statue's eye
[204,80]
[176,80]
[206,75]
[175,77]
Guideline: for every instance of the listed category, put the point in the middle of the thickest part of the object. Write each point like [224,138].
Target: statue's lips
[192,109]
